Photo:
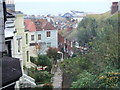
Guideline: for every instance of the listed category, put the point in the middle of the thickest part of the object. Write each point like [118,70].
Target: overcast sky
[54,7]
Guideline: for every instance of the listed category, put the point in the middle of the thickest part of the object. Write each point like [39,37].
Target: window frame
[39,36]
[32,37]
[26,38]
[48,34]
[18,46]
[48,44]
[27,55]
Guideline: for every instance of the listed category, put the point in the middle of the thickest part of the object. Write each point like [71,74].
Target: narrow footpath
[57,79]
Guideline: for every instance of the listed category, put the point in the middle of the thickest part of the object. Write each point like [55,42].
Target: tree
[40,76]
[44,60]
[52,53]
[71,68]
[87,30]
[101,59]
[84,80]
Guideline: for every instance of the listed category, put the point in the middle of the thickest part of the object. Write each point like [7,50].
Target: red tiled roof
[49,26]
[29,25]
[43,24]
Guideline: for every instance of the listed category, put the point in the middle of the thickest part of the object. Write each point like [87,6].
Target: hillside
[73,34]
[98,66]
[99,16]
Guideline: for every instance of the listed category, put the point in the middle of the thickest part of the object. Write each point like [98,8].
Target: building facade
[24,42]
[42,35]
[46,35]
[10,4]
[30,26]
[47,38]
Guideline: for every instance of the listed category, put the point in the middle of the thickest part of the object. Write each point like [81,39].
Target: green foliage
[109,79]
[87,30]
[52,53]
[72,67]
[98,67]
[34,60]
[100,16]
[43,60]
[40,76]
[84,80]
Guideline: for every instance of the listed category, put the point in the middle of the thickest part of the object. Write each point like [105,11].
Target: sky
[55,7]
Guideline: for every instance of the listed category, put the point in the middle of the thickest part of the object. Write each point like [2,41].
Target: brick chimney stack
[114,7]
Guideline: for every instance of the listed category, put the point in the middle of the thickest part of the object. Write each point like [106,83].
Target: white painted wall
[19,24]
[78,18]
[33,51]
[32,33]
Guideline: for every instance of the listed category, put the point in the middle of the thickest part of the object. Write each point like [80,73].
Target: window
[48,45]
[26,38]
[39,36]
[18,45]
[48,34]
[27,56]
[32,37]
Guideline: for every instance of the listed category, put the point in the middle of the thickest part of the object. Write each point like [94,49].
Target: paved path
[57,79]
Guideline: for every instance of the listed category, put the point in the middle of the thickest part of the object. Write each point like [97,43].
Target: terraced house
[17,46]
[42,35]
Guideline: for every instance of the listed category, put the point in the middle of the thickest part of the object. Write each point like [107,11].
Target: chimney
[114,7]
[2,26]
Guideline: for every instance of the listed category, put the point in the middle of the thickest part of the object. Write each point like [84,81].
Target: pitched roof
[49,26]
[43,24]
[29,25]
[11,70]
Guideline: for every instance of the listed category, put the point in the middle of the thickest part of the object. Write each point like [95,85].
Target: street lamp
[62,55]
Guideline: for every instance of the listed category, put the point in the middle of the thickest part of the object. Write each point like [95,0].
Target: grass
[99,16]
[115,15]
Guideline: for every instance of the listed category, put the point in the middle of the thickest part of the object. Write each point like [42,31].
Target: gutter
[8,85]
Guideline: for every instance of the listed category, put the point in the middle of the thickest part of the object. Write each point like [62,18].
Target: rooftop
[29,25]
[11,70]
[43,24]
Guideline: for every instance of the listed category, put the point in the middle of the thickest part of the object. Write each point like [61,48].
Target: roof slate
[11,70]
